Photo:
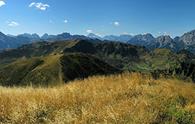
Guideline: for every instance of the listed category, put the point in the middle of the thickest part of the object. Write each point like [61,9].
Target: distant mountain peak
[92,35]
[144,37]
[147,34]
[166,38]
[65,33]
[188,38]
[121,38]
[2,34]
[46,34]
[191,32]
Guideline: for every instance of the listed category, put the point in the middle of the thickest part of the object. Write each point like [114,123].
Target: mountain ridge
[186,41]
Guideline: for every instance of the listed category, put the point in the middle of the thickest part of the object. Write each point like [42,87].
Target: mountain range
[186,41]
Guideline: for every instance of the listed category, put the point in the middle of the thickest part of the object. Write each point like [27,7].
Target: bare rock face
[189,38]
[143,40]
[165,42]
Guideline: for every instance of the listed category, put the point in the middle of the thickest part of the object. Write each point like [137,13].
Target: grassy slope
[47,74]
[16,71]
[52,70]
[159,59]
[126,98]
[38,71]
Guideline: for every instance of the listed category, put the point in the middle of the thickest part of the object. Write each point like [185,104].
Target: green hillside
[52,70]
[13,73]
[46,63]
[37,70]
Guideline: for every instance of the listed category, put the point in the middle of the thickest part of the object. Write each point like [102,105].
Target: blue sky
[102,17]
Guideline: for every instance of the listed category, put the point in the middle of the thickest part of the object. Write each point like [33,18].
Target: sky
[102,17]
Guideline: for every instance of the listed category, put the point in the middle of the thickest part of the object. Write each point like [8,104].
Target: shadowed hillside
[82,66]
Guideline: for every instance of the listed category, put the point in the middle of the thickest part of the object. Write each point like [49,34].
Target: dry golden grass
[120,99]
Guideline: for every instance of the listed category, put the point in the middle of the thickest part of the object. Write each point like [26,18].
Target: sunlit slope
[125,98]
[34,71]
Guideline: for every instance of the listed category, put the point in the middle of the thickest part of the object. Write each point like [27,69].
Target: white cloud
[116,23]
[13,24]
[89,31]
[40,6]
[65,21]
[32,4]
[2,3]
